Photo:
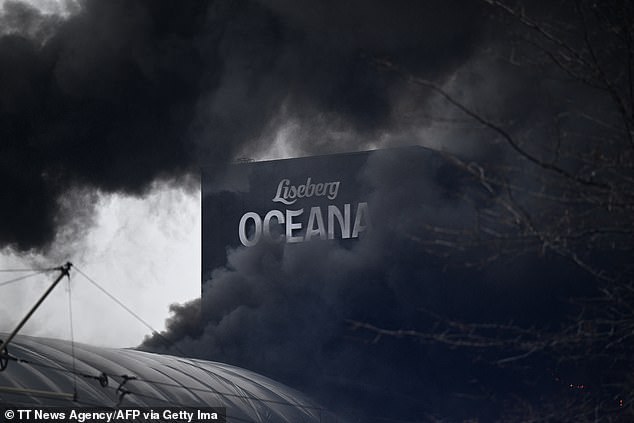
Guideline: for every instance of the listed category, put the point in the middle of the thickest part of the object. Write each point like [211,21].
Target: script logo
[288,194]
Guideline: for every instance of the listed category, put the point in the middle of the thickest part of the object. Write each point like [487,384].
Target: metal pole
[64,272]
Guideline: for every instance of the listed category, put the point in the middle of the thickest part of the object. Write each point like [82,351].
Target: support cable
[72,339]
[126,308]
[20,278]
[33,269]
[102,378]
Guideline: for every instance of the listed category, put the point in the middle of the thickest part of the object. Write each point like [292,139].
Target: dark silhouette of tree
[566,187]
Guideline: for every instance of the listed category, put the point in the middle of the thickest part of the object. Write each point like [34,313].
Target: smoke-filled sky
[109,109]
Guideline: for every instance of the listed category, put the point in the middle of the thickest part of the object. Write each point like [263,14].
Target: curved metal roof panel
[47,372]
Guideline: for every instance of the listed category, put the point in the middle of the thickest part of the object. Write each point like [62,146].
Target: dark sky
[120,95]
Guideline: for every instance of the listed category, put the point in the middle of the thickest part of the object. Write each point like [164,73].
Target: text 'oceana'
[278,226]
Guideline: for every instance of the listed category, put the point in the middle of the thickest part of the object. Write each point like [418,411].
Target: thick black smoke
[282,309]
[120,95]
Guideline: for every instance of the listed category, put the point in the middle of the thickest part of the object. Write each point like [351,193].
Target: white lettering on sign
[242,232]
[289,225]
[288,194]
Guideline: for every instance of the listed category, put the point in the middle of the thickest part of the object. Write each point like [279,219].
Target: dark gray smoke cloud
[120,95]
[281,309]
[123,94]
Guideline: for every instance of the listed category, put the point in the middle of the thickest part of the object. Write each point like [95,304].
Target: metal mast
[64,271]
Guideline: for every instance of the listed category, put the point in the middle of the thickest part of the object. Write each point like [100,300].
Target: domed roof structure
[47,372]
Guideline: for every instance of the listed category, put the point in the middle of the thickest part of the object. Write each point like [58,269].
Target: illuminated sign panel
[293,220]
[336,200]
[288,201]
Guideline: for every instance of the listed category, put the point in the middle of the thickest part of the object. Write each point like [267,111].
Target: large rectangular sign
[288,201]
